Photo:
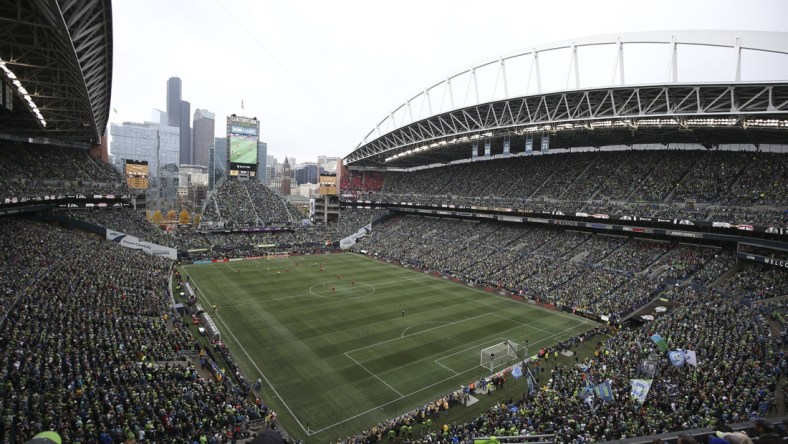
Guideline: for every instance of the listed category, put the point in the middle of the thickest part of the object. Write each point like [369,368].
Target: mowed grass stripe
[302,335]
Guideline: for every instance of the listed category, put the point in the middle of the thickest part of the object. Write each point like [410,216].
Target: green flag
[663,346]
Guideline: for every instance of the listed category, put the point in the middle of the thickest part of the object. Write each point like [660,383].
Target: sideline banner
[134,243]
[349,241]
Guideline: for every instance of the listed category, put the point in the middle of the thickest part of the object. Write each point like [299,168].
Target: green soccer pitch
[337,355]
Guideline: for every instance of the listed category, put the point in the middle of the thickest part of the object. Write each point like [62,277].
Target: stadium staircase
[645,269]
[546,181]
[577,177]
[610,253]
[669,196]
[216,205]
[721,283]
[615,173]
[642,181]
[251,203]
[579,257]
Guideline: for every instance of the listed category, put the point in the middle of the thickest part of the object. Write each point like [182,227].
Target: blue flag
[663,346]
[604,391]
[517,372]
[586,392]
[676,358]
[640,388]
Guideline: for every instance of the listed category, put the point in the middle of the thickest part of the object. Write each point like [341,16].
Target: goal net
[277,255]
[499,354]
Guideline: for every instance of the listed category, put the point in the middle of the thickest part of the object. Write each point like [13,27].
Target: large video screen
[242,134]
[137,174]
[243,149]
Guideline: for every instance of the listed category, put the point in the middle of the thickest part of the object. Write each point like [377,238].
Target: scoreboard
[137,174]
[243,134]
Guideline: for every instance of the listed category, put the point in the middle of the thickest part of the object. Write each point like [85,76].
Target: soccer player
[403,313]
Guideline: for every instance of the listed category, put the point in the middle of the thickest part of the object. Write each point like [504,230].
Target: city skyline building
[285,181]
[203,127]
[186,133]
[138,141]
[262,162]
[306,173]
[157,144]
[178,114]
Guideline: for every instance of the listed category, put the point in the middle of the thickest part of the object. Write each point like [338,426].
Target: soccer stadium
[498,259]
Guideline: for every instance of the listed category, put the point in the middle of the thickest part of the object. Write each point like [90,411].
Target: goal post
[499,354]
[277,255]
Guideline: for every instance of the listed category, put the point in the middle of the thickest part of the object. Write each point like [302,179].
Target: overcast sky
[319,74]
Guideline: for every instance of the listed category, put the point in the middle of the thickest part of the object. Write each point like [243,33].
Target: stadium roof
[57,57]
[737,92]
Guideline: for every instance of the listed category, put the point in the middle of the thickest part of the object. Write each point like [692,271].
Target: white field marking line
[546,338]
[475,368]
[506,298]
[228,266]
[266,300]
[309,294]
[519,325]
[437,279]
[421,323]
[423,331]
[373,374]
[475,346]
[535,328]
[447,368]
[249,357]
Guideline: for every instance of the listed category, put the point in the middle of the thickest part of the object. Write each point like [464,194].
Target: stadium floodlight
[22,92]
[766,123]
[657,122]
[711,122]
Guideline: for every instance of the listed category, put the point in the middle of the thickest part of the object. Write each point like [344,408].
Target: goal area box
[499,355]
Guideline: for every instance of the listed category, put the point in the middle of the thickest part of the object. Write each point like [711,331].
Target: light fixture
[22,93]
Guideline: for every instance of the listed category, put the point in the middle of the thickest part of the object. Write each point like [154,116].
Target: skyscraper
[178,112]
[203,129]
[220,152]
[186,133]
[174,102]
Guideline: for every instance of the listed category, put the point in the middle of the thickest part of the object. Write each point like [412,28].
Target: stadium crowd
[46,170]
[595,274]
[734,380]
[247,204]
[91,347]
[721,186]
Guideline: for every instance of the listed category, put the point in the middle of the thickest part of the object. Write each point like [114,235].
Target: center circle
[324,290]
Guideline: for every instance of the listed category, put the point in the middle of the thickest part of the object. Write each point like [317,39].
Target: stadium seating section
[91,346]
[247,204]
[38,170]
[732,187]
